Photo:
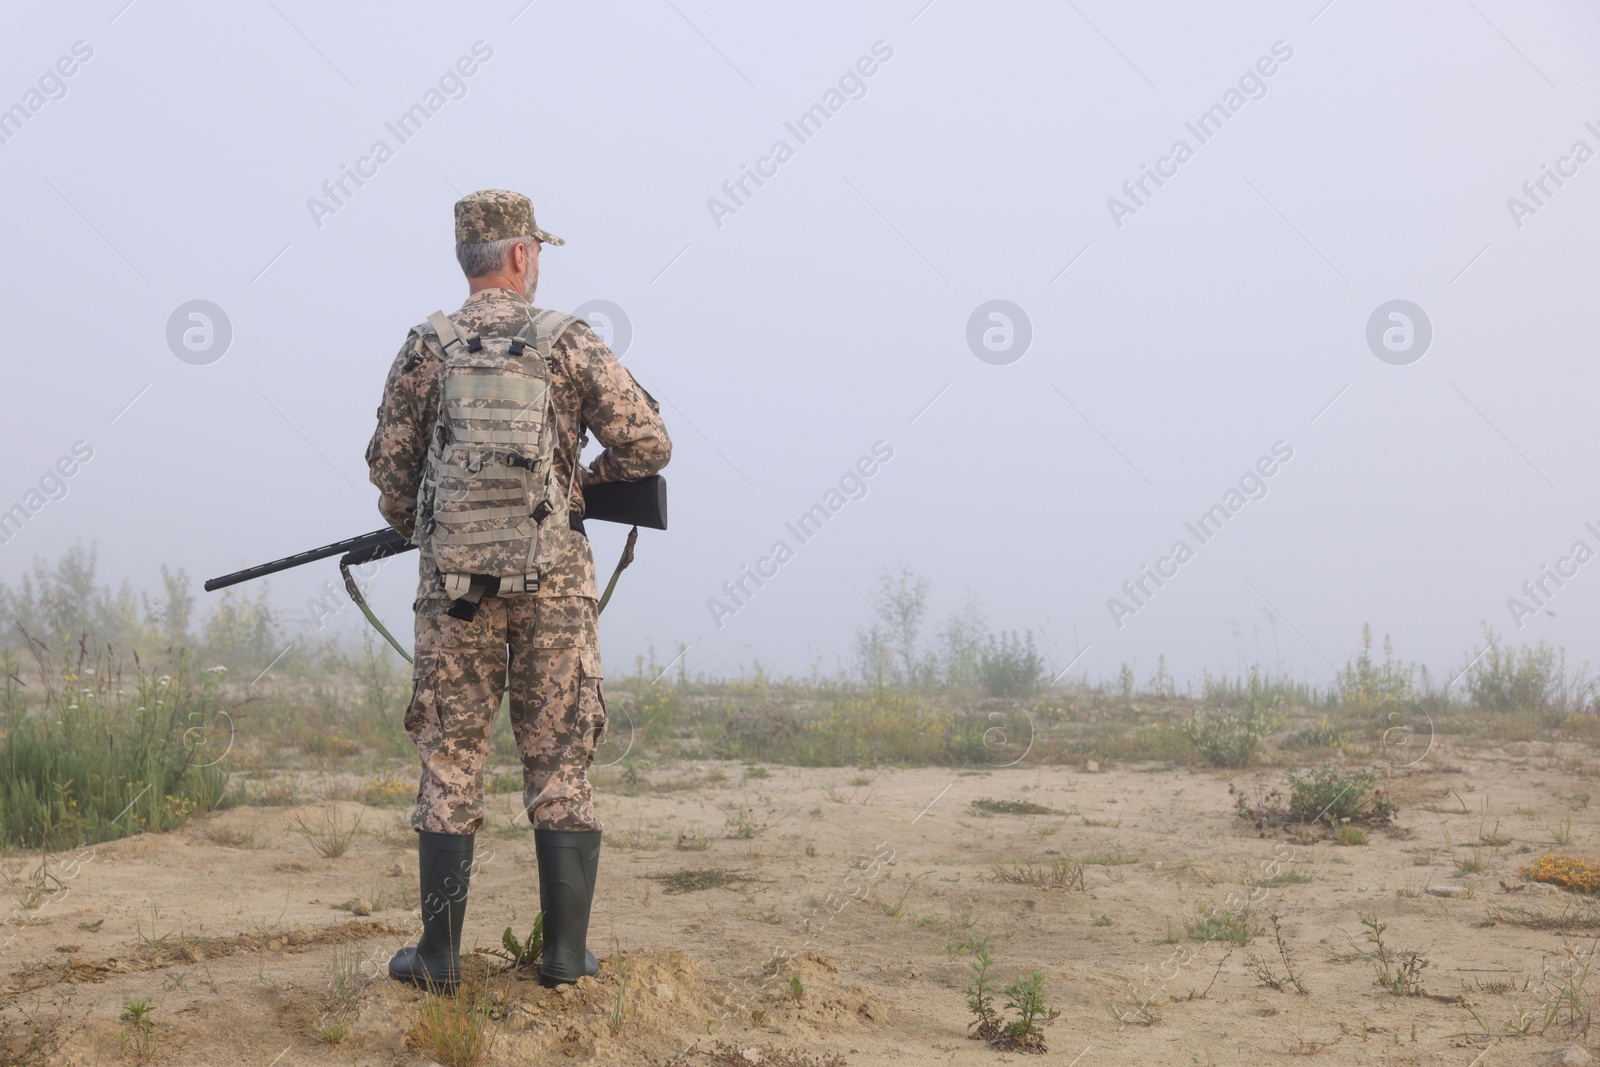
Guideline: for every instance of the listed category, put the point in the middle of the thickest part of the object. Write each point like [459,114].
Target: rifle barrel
[350,544]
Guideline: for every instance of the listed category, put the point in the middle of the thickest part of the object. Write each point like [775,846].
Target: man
[479,633]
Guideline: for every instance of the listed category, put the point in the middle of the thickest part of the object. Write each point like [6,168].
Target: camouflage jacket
[590,389]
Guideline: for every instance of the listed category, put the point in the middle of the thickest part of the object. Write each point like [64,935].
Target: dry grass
[1057,874]
[457,1029]
[330,836]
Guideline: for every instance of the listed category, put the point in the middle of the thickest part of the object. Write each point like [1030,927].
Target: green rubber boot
[569,860]
[445,863]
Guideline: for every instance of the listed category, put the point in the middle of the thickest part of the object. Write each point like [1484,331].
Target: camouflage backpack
[489,484]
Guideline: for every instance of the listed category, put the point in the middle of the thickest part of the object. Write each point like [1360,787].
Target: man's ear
[519,259]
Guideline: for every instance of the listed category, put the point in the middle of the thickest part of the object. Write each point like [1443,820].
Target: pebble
[753,1055]
[662,990]
[274,945]
[1573,1056]
[361,907]
[1092,767]
[1447,890]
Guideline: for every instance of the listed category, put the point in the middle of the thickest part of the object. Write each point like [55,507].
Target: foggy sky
[1176,339]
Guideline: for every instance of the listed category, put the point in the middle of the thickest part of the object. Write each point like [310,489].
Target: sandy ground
[230,928]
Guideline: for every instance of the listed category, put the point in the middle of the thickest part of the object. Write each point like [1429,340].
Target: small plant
[138,1029]
[991,806]
[1351,835]
[1399,971]
[330,837]
[1365,685]
[391,792]
[1333,796]
[619,1006]
[1581,874]
[456,1029]
[898,909]
[1264,808]
[1232,738]
[1025,996]
[696,880]
[1263,968]
[692,841]
[986,1023]
[1057,874]
[1321,734]
[332,1029]
[1231,926]
[797,990]
[521,954]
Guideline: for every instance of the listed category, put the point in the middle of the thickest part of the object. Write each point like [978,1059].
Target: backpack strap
[548,326]
[449,335]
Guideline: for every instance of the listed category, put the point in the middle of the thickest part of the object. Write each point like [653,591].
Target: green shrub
[1232,738]
[1507,679]
[1364,684]
[1334,796]
[1011,666]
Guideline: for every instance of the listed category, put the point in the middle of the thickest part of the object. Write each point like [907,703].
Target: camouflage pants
[547,649]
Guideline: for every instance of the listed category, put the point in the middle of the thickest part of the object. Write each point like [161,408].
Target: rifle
[638,503]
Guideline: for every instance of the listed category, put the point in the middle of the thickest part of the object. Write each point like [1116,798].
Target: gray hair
[479,259]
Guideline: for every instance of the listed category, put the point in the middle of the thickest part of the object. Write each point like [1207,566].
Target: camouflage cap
[495,215]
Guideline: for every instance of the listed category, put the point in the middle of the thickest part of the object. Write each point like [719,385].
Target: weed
[1057,874]
[1025,996]
[456,1029]
[1264,969]
[986,1022]
[332,1029]
[522,953]
[694,881]
[390,792]
[899,905]
[101,755]
[330,837]
[619,1005]
[991,806]
[231,836]
[1321,734]
[1333,796]
[1291,877]
[1581,874]
[1351,835]
[138,1034]
[692,841]
[34,1038]
[1213,925]
[1365,685]
[1232,738]
[1399,970]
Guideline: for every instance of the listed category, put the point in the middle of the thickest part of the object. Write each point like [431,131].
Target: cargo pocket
[591,695]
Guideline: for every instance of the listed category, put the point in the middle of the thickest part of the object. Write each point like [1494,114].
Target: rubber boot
[568,863]
[445,863]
